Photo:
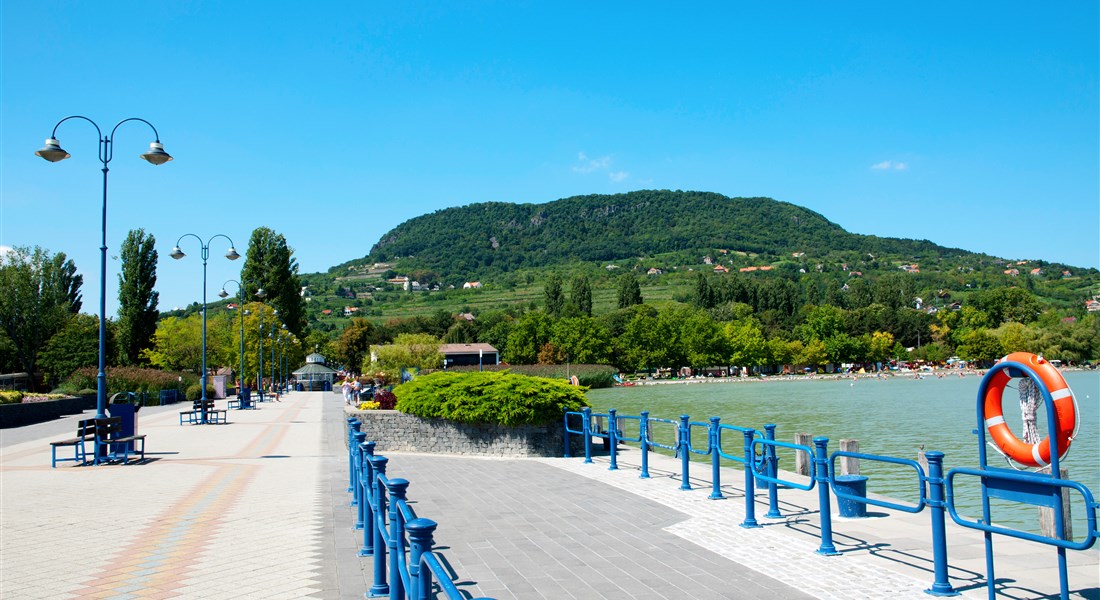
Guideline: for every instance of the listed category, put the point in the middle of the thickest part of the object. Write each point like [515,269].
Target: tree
[177,344]
[353,345]
[409,351]
[527,337]
[270,265]
[75,346]
[582,340]
[580,294]
[641,345]
[137,300]
[40,294]
[703,342]
[980,346]
[555,299]
[747,345]
[630,293]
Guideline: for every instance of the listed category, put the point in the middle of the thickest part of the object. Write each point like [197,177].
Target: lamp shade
[177,253]
[52,151]
[223,293]
[232,254]
[261,294]
[155,155]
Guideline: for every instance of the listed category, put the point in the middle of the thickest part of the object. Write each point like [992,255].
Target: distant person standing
[346,388]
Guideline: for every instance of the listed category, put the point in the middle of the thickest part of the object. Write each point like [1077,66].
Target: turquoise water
[891,416]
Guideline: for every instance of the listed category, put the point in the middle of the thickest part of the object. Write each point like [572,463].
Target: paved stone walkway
[258,508]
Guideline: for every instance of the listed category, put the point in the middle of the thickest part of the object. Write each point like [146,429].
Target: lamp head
[261,294]
[177,253]
[223,293]
[156,154]
[232,254]
[52,151]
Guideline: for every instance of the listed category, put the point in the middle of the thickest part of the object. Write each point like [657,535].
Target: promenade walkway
[258,508]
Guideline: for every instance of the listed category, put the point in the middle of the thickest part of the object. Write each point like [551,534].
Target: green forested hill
[481,239]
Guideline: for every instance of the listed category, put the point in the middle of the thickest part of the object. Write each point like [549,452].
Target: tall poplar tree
[270,265]
[555,298]
[630,293]
[40,294]
[580,294]
[137,300]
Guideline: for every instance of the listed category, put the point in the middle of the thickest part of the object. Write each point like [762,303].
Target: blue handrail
[399,542]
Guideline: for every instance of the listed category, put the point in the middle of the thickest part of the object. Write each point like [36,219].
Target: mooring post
[773,472]
[644,429]
[613,439]
[420,542]
[750,491]
[802,460]
[565,433]
[715,442]
[396,543]
[821,462]
[587,429]
[941,586]
[849,465]
[366,499]
[1047,520]
[685,450]
[379,588]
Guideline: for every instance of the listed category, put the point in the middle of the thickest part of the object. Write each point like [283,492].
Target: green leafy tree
[527,337]
[75,346]
[821,323]
[177,344]
[880,345]
[641,346]
[353,345]
[814,354]
[580,294]
[630,293]
[137,300]
[747,345]
[271,265]
[785,352]
[703,341]
[583,340]
[40,294]
[555,298]
[409,351]
[843,348]
[980,346]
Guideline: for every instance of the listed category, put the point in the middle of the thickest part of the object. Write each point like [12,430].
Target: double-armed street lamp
[231,254]
[243,312]
[156,155]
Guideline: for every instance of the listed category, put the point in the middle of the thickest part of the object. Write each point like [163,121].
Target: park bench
[194,415]
[110,444]
[85,432]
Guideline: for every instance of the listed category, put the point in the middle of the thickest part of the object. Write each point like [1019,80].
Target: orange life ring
[1032,455]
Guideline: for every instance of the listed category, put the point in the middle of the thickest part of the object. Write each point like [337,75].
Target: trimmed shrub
[11,397]
[128,379]
[194,391]
[386,399]
[500,398]
[590,376]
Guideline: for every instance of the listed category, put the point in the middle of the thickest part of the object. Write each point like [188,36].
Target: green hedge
[488,397]
[129,379]
[590,376]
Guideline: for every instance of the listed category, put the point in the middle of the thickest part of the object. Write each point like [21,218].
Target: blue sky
[974,125]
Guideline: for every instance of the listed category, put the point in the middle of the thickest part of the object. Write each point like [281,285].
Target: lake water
[891,416]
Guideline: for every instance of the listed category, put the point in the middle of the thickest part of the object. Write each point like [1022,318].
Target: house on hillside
[1012,272]
[1092,305]
[471,285]
[654,271]
[720,269]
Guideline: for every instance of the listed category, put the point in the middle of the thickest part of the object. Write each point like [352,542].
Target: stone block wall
[395,431]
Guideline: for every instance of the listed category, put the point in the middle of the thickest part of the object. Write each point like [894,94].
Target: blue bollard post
[613,439]
[643,428]
[587,429]
[420,542]
[396,544]
[773,472]
[940,586]
[353,426]
[714,435]
[366,503]
[821,463]
[565,433]
[379,588]
[684,447]
[750,489]
[357,439]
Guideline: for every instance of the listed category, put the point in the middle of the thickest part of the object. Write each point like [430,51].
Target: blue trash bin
[852,485]
[129,425]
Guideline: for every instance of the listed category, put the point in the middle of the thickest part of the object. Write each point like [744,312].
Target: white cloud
[618,176]
[889,165]
[591,165]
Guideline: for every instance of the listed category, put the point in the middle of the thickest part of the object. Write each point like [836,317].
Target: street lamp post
[243,312]
[156,155]
[274,365]
[231,254]
[261,294]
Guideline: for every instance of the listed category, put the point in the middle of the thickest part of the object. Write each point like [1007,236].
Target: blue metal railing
[399,542]
[760,462]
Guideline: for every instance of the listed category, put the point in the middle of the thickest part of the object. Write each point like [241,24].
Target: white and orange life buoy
[1032,455]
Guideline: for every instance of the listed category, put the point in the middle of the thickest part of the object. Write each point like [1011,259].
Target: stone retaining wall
[394,431]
